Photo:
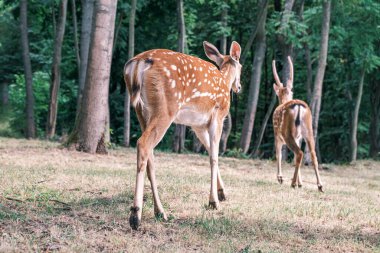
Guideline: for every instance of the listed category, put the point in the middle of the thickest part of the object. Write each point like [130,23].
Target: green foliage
[353,47]
[17,101]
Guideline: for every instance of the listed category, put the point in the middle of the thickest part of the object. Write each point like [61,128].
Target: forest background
[335,47]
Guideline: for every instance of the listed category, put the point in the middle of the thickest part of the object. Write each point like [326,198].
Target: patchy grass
[53,199]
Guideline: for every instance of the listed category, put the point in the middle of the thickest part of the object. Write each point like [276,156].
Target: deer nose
[238,88]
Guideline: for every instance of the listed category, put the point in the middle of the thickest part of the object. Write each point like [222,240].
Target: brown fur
[167,87]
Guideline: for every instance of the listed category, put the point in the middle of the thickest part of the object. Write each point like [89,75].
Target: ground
[54,199]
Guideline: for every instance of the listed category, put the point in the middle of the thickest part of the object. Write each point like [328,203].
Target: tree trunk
[30,124]
[76,42]
[254,87]
[4,94]
[131,52]
[374,148]
[56,71]
[318,82]
[227,124]
[355,117]
[85,40]
[264,125]
[94,109]
[180,130]
[252,37]
[286,49]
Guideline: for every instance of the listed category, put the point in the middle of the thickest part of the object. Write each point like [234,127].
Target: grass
[53,199]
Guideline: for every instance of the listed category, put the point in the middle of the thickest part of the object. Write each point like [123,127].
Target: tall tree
[4,96]
[180,130]
[374,147]
[355,118]
[227,124]
[94,108]
[285,47]
[254,86]
[85,40]
[75,30]
[56,70]
[131,53]
[30,124]
[318,82]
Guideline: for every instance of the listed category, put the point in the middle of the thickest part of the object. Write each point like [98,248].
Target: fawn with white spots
[167,87]
[292,121]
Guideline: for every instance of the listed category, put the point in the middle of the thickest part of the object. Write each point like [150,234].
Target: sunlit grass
[55,199]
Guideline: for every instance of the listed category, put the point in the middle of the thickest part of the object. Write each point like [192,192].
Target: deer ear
[235,50]
[276,88]
[213,53]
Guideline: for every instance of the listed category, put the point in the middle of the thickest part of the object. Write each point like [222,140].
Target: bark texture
[30,124]
[56,70]
[85,39]
[318,82]
[354,120]
[374,129]
[75,28]
[254,86]
[94,110]
[131,52]
[4,94]
[227,124]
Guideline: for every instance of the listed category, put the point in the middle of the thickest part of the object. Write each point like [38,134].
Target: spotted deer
[167,87]
[292,121]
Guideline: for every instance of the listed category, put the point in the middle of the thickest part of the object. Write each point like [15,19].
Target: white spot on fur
[174,67]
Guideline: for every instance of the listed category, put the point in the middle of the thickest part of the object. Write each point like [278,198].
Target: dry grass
[55,199]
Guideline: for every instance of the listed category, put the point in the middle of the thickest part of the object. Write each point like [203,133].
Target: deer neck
[227,72]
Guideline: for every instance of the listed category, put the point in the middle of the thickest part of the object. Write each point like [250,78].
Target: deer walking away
[166,87]
[292,122]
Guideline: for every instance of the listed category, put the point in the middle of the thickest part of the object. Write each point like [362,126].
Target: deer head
[284,93]
[225,62]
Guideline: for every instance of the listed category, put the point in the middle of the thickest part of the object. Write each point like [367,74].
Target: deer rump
[293,114]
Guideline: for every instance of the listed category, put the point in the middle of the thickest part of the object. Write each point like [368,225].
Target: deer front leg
[215,131]
[278,145]
[204,138]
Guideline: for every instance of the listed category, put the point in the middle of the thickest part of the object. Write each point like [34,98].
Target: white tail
[292,121]
[167,87]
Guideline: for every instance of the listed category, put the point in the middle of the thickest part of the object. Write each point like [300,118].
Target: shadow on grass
[111,214]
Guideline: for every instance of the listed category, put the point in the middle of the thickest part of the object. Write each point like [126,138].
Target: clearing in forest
[56,199]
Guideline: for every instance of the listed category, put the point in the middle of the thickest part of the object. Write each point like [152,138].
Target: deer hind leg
[299,179]
[293,145]
[158,208]
[153,133]
[204,138]
[151,171]
[278,146]
[311,145]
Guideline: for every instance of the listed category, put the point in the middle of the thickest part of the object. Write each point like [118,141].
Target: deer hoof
[161,216]
[299,185]
[213,205]
[134,220]
[280,179]
[221,195]
[320,188]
